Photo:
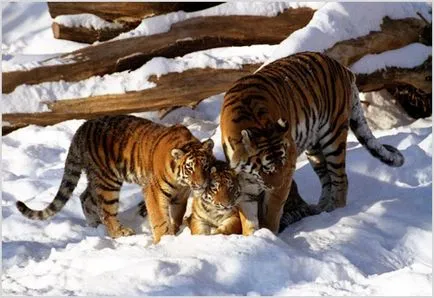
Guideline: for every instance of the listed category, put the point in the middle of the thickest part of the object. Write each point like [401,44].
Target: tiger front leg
[177,207]
[274,200]
[229,226]
[198,226]
[158,212]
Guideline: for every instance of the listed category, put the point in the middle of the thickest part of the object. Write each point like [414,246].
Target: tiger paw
[121,232]
[327,205]
[290,217]
[93,221]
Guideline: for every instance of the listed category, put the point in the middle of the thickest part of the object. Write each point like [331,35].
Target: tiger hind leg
[334,152]
[108,204]
[90,208]
[318,162]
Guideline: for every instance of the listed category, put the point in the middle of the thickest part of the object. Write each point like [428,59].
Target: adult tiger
[167,161]
[305,101]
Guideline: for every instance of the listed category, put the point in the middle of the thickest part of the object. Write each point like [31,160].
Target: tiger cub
[304,102]
[214,211]
[168,162]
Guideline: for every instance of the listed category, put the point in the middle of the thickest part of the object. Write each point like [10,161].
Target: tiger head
[224,188]
[263,151]
[192,163]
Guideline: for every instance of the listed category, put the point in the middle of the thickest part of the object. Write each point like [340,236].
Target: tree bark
[88,35]
[127,11]
[184,37]
[394,34]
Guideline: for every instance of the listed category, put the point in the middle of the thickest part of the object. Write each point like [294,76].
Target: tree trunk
[127,11]
[394,34]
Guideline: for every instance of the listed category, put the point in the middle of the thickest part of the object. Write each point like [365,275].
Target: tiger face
[224,188]
[192,164]
[266,149]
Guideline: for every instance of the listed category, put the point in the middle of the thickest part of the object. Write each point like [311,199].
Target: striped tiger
[214,211]
[304,102]
[168,162]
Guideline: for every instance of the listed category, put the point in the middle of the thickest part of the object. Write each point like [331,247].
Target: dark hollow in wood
[87,35]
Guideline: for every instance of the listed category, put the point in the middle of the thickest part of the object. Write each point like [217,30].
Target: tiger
[305,102]
[215,210]
[167,162]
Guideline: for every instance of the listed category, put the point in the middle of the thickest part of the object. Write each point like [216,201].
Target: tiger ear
[245,137]
[282,125]
[213,170]
[177,153]
[208,144]
[247,142]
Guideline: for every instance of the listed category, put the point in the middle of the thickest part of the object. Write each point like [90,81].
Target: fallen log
[419,77]
[127,11]
[394,34]
[184,37]
[188,89]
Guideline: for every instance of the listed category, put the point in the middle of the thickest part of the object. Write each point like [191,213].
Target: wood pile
[190,87]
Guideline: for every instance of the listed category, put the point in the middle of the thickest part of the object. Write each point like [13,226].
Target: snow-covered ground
[379,244]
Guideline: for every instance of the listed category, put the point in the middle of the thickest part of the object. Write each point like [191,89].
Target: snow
[379,244]
[382,237]
[337,21]
[85,20]
[26,29]
[406,57]
[27,38]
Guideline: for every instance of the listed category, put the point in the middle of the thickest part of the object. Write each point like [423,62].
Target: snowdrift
[379,244]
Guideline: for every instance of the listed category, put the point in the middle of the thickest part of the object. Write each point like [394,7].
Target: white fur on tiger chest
[250,187]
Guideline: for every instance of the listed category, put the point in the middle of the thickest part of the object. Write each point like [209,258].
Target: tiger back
[215,210]
[168,162]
